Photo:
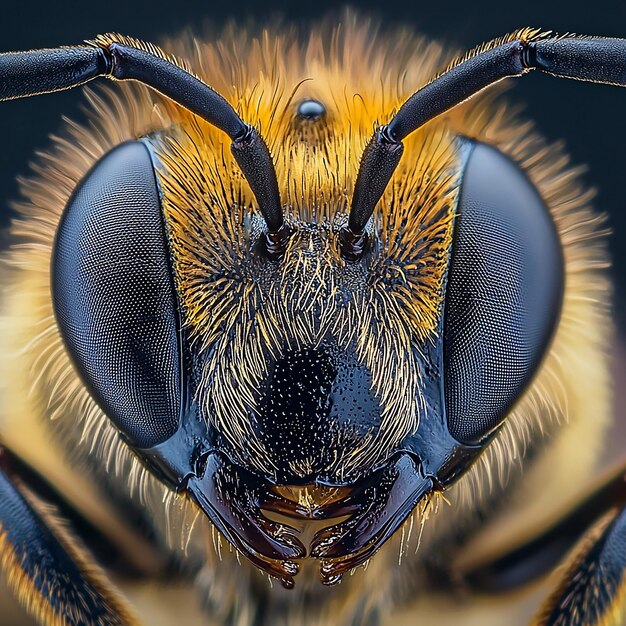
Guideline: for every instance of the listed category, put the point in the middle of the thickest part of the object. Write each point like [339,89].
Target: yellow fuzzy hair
[361,76]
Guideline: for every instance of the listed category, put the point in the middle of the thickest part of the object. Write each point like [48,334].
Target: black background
[589,118]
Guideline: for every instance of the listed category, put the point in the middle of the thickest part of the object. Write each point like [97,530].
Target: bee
[322,311]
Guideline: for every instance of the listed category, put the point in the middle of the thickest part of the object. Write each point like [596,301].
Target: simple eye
[114,297]
[503,296]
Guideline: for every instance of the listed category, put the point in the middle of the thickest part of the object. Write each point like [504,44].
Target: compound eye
[504,293]
[114,299]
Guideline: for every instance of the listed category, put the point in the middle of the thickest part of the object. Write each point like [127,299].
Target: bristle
[106,39]
[524,35]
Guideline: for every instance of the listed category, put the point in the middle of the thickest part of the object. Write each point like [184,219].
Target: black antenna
[35,72]
[594,59]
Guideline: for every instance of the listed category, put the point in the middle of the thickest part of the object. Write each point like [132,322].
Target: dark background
[590,118]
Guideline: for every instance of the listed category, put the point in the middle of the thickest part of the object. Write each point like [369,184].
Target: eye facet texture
[114,297]
[504,293]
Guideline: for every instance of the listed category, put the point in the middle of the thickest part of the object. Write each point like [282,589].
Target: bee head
[378,362]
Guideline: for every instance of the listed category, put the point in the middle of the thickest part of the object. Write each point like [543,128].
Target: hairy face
[357,329]
[312,369]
